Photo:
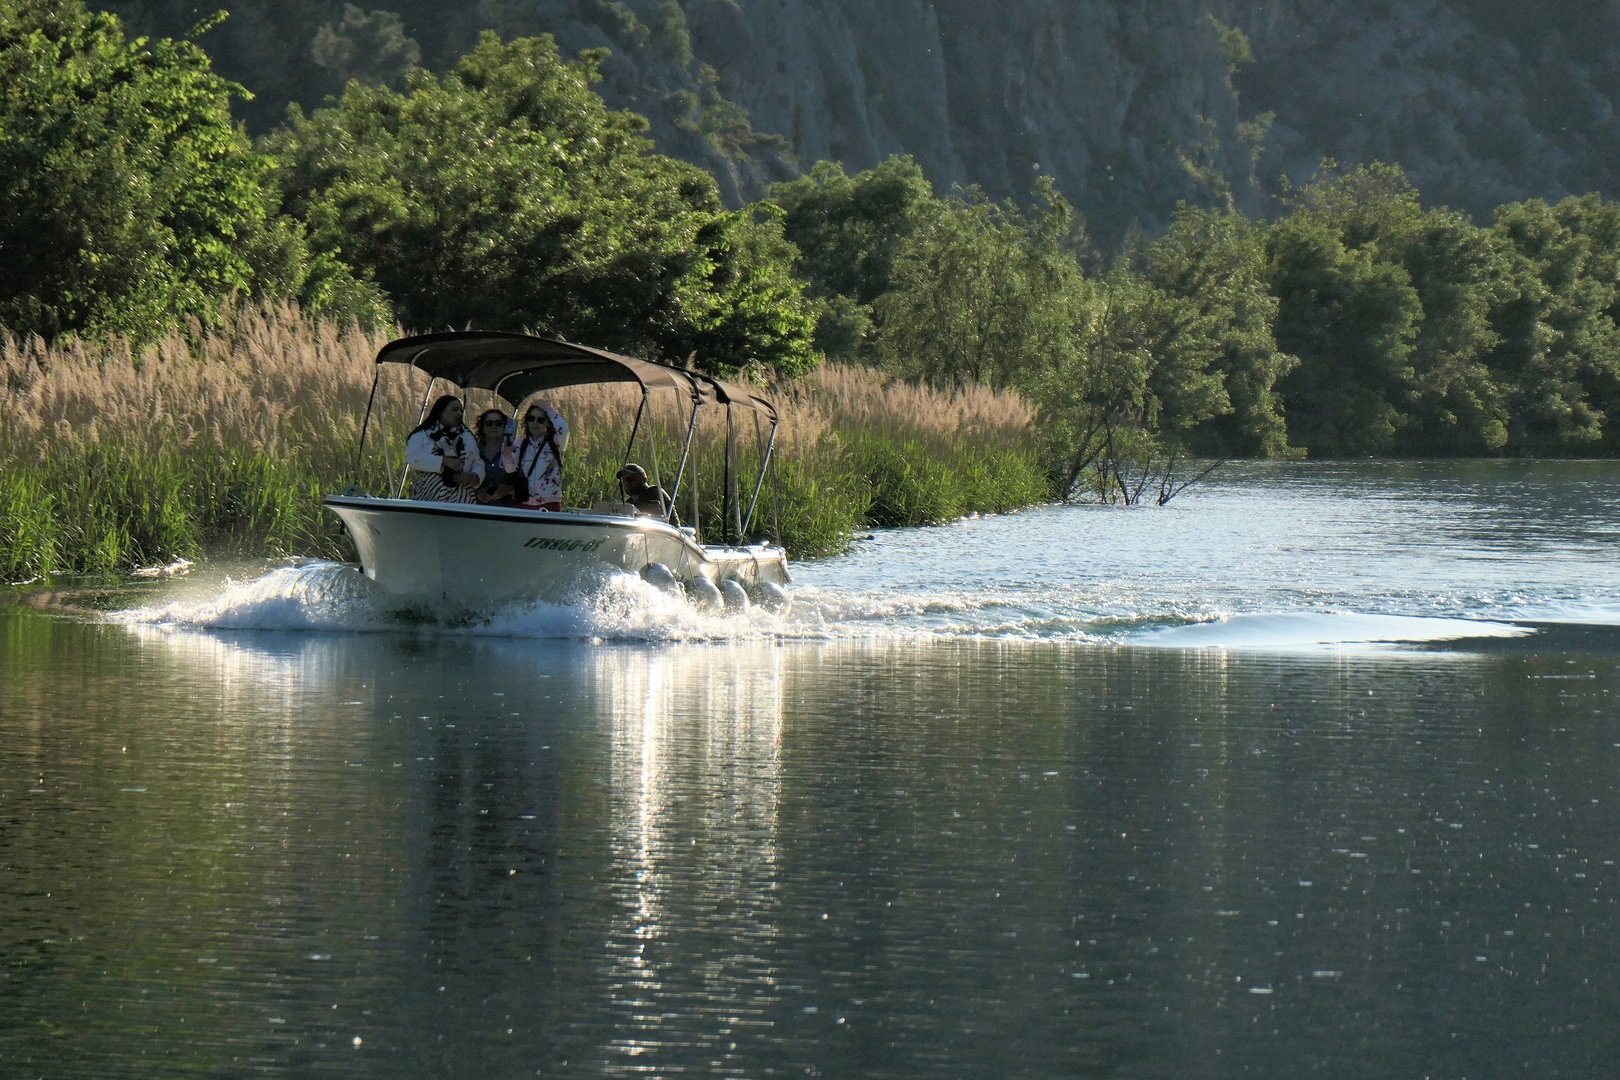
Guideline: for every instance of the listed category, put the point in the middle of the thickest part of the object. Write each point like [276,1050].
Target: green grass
[112,507]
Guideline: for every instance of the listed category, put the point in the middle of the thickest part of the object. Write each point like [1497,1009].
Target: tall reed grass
[221,440]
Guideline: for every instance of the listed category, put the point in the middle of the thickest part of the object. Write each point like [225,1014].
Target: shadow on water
[240,852]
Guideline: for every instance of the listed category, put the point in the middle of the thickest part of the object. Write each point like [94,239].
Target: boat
[477,556]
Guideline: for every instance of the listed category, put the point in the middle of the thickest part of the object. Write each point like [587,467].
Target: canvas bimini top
[518,365]
[515,366]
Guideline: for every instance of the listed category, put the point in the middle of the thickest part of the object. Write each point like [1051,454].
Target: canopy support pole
[405,470]
[769,448]
[652,445]
[726,508]
[736,495]
[360,448]
[630,447]
[680,473]
[776,496]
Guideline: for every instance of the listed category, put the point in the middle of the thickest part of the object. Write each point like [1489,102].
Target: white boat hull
[478,555]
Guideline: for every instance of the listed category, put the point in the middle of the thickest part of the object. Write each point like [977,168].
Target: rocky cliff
[1129,105]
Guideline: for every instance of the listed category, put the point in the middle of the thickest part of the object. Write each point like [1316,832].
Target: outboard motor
[772,597]
[703,594]
[660,577]
[735,596]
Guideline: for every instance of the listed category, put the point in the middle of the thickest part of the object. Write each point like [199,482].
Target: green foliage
[370,47]
[848,231]
[1560,348]
[1351,319]
[1459,275]
[1217,361]
[129,200]
[1178,349]
[670,35]
[980,294]
[755,315]
[1253,132]
[127,196]
[617,22]
[1231,43]
[725,123]
[1173,356]
[1420,333]
[506,195]
[28,525]
[911,483]
[113,507]
[1349,310]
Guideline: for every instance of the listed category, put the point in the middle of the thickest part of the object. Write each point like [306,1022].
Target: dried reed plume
[270,388]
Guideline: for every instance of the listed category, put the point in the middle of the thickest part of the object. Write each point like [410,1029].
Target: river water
[1311,772]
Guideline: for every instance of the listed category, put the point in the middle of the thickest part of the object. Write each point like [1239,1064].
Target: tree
[1399,344]
[1096,407]
[128,198]
[506,195]
[1348,309]
[1211,266]
[1350,318]
[981,293]
[1559,343]
[370,47]
[1459,275]
[848,230]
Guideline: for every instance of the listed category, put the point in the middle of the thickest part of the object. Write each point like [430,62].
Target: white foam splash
[331,597]
[312,596]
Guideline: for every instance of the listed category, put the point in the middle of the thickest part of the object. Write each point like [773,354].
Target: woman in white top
[540,454]
[444,456]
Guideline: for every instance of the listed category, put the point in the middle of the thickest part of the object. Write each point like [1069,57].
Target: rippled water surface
[1312,772]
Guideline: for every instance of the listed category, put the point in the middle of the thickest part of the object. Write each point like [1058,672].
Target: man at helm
[647,498]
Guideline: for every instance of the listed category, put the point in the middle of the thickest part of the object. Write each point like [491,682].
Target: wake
[323,597]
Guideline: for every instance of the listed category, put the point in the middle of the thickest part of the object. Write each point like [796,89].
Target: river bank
[222,440]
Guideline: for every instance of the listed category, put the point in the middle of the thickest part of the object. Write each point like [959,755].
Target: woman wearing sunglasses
[539,455]
[503,485]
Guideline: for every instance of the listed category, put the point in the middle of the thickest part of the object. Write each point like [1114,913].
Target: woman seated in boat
[503,484]
[444,457]
[540,455]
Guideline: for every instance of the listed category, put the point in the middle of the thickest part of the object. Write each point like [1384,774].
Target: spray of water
[332,598]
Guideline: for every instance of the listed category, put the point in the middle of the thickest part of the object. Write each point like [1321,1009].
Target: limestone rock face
[1481,101]
[1129,105]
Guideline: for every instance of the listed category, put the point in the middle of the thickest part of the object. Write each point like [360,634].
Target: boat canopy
[517,365]
[743,398]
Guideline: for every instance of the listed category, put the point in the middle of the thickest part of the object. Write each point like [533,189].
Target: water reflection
[696,780]
[515,946]
[477,856]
